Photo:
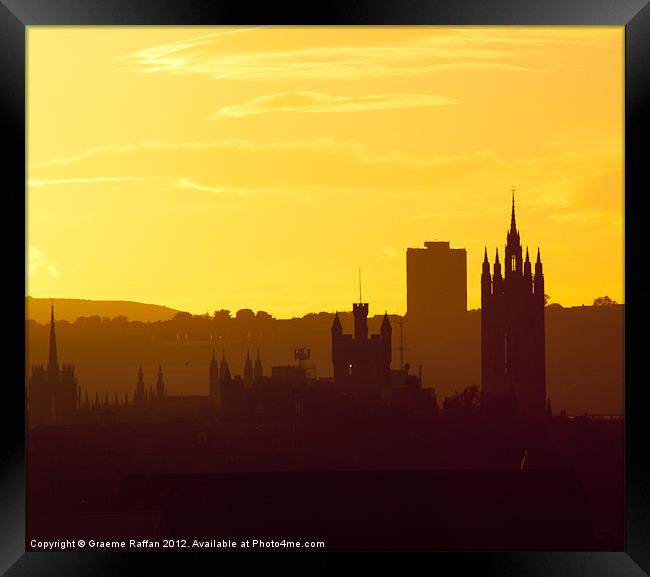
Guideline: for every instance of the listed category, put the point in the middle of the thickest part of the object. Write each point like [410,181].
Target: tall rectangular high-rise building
[436,281]
[436,316]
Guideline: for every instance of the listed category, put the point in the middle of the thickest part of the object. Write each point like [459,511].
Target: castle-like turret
[360,361]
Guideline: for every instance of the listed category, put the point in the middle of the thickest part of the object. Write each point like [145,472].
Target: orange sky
[207,168]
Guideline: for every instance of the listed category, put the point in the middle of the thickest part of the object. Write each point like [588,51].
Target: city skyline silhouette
[207,205]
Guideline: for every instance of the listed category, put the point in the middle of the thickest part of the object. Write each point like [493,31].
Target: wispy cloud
[191,184]
[427,52]
[304,101]
[39,262]
[554,183]
[169,53]
[36,182]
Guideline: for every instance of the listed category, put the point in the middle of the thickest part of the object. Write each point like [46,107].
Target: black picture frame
[16,15]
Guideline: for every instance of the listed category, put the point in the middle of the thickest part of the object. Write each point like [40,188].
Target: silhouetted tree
[88,321]
[604,302]
[221,315]
[462,404]
[245,314]
[182,316]
[263,315]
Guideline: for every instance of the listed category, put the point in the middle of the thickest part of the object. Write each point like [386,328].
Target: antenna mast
[360,300]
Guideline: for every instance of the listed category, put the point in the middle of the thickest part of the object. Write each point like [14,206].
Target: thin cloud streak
[428,54]
[311,102]
[36,182]
[188,183]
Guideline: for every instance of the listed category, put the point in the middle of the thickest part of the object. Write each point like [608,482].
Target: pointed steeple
[160,385]
[528,276]
[538,265]
[258,371]
[385,323]
[336,324]
[223,367]
[538,282]
[513,220]
[497,266]
[486,263]
[248,369]
[53,363]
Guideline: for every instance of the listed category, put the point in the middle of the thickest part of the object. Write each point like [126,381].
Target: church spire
[53,364]
[513,220]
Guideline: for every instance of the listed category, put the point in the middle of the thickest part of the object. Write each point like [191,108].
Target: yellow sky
[207,168]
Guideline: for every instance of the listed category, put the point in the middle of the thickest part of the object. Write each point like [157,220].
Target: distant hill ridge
[70,309]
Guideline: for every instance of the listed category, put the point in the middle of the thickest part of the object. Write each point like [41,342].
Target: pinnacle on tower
[513,221]
[539,260]
[485,257]
[53,364]
[385,323]
[527,257]
[336,323]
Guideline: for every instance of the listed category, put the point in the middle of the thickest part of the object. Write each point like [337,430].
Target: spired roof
[53,359]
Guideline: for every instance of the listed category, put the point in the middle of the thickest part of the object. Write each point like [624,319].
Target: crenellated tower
[360,361]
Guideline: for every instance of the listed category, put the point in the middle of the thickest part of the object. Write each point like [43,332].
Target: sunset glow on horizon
[260,167]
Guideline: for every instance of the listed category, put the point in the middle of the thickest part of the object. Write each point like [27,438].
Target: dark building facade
[53,394]
[436,311]
[361,360]
[436,281]
[512,329]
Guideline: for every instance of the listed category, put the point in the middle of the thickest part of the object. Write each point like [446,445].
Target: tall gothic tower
[139,396]
[512,330]
[53,393]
